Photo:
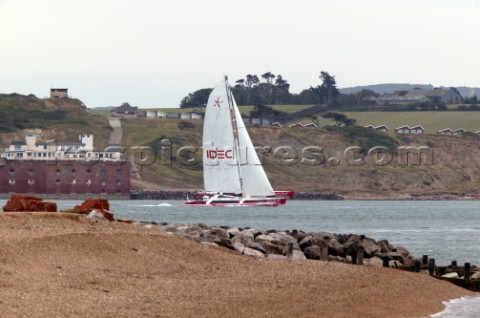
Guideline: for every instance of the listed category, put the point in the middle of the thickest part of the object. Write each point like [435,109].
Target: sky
[152,53]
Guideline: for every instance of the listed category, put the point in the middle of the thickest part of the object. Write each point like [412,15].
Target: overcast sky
[152,53]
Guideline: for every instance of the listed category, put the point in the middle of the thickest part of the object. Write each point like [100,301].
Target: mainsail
[230,162]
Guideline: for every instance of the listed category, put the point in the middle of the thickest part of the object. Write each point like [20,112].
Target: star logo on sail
[216,103]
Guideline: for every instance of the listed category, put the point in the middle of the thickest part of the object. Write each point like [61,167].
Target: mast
[236,144]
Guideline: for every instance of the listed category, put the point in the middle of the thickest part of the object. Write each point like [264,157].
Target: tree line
[271,89]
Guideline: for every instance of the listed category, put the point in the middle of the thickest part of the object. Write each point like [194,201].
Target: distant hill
[61,119]
[393,87]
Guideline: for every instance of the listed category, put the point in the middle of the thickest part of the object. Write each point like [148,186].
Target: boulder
[369,245]
[451,275]
[312,252]
[218,236]
[240,241]
[374,261]
[335,248]
[257,247]
[271,245]
[384,246]
[193,231]
[402,251]
[99,205]
[298,255]
[27,203]
[252,252]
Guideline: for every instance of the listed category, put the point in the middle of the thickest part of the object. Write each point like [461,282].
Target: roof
[417,126]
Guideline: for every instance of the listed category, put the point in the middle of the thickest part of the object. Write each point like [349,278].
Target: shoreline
[101,268]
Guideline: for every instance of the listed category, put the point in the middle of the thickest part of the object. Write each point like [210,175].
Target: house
[402,130]
[150,114]
[417,130]
[195,116]
[297,125]
[58,92]
[125,110]
[381,128]
[310,126]
[276,124]
[173,116]
[460,131]
[445,131]
[161,114]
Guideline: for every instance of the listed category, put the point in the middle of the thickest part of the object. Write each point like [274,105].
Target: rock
[271,245]
[402,251]
[218,236]
[298,255]
[193,231]
[234,231]
[252,252]
[306,242]
[253,232]
[27,203]
[475,276]
[384,246]
[323,236]
[100,205]
[240,241]
[335,248]
[391,256]
[100,214]
[257,247]
[451,275]
[312,252]
[369,245]
[374,261]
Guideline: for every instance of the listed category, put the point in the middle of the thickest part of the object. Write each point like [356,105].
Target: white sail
[255,181]
[230,162]
[220,163]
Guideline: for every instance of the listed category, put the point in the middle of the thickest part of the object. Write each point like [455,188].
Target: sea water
[444,230]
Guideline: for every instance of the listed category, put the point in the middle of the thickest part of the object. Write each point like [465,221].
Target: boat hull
[216,199]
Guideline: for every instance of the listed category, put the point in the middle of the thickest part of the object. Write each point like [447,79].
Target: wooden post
[289,250]
[360,252]
[354,258]
[431,266]
[466,275]
[323,251]
[294,234]
[417,266]
[425,259]
[454,263]
[386,262]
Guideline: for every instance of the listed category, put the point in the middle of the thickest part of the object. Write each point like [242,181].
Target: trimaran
[232,172]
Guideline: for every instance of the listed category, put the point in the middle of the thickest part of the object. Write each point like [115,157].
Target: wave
[465,307]
[152,205]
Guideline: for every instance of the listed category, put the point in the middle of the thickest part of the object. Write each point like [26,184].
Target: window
[89,182]
[104,172]
[104,182]
[74,182]
[119,182]
[11,181]
[31,181]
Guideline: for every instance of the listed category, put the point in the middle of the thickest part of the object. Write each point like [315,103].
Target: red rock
[88,205]
[27,203]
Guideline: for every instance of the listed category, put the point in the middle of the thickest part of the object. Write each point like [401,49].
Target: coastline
[101,268]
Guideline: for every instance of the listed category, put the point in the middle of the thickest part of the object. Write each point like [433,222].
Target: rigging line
[235,130]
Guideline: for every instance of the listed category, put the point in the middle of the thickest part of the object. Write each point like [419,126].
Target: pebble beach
[67,265]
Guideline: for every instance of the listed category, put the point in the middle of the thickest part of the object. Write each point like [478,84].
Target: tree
[330,86]
[340,119]
[196,99]
[268,77]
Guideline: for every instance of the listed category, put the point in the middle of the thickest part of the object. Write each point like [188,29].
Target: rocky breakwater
[346,248]
[323,246]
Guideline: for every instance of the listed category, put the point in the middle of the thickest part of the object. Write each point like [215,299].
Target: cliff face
[429,166]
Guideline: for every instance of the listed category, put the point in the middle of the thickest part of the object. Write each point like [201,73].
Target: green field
[430,121]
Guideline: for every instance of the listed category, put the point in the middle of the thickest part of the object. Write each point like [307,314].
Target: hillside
[450,165]
[61,119]
[394,87]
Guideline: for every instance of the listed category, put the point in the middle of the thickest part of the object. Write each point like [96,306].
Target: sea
[443,230]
